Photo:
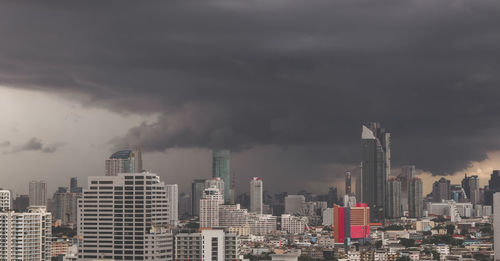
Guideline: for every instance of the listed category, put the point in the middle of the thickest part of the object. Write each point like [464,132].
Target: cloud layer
[241,74]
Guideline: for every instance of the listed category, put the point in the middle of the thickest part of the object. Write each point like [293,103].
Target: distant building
[256,190]
[332,197]
[209,207]
[124,161]
[294,204]
[376,167]
[216,182]
[197,187]
[493,186]
[74,188]
[221,168]
[21,203]
[38,193]
[470,184]
[293,224]
[65,207]
[185,205]
[328,217]
[407,174]
[441,190]
[208,245]
[393,198]
[5,200]
[415,198]
[173,203]
[29,236]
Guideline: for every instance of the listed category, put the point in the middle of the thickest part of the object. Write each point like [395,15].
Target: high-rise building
[5,200]
[123,217]
[26,236]
[294,204]
[185,205]
[441,190]
[415,198]
[293,224]
[209,207]
[207,245]
[256,190]
[332,197]
[351,223]
[393,206]
[457,193]
[375,168]
[407,173]
[197,188]
[173,202]
[348,183]
[471,187]
[496,224]
[21,203]
[124,161]
[217,183]
[65,207]
[221,167]
[74,188]
[493,186]
[38,193]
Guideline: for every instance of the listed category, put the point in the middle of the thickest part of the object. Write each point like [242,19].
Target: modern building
[496,225]
[261,224]
[65,207]
[207,245]
[393,206]
[5,200]
[123,217]
[21,203]
[232,215]
[185,207]
[124,161]
[26,236]
[209,207]
[415,198]
[38,193]
[221,168]
[441,190]
[470,184]
[493,187]
[376,155]
[294,204]
[351,223]
[73,186]
[348,183]
[457,193]
[216,183]
[332,197]
[173,203]
[407,173]
[197,188]
[256,191]
[293,224]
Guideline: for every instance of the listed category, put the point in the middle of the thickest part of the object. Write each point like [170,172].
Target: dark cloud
[301,74]
[35,144]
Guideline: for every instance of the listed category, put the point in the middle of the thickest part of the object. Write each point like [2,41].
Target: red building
[351,222]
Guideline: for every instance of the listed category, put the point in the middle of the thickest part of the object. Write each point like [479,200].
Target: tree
[435,255]
[450,229]
[378,244]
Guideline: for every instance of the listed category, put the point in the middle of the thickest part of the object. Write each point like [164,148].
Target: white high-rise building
[209,207]
[294,204]
[5,200]
[293,224]
[173,202]
[26,236]
[120,216]
[208,245]
[496,225]
[216,182]
[38,193]
[256,188]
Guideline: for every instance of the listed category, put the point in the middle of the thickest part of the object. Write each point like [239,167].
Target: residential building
[5,200]
[38,193]
[197,187]
[293,224]
[173,203]
[256,190]
[415,198]
[209,207]
[393,198]
[441,190]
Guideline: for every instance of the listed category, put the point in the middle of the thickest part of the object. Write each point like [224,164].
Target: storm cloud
[289,74]
[35,144]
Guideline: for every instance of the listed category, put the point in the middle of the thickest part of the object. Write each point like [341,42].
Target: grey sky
[285,80]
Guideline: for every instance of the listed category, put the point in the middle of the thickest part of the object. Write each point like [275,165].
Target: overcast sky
[285,85]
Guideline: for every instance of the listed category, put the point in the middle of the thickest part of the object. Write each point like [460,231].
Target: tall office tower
[73,186]
[256,187]
[207,245]
[221,168]
[5,200]
[441,190]
[332,197]
[348,183]
[209,207]
[124,161]
[493,186]
[185,205]
[197,188]
[393,206]
[496,224]
[173,203]
[471,188]
[415,198]
[26,236]
[376,165]
[120,216]
[217,183]
[457,193]
[38,193]
[294,204]
[65,207]
[407,173]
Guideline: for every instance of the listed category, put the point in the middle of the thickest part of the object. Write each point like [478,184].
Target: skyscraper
[471,187]
[124,161]
[38,193]
[120,217]
[221,167]
[441,190]
[393,206]
[348,183]
[173,203]
[197,188]
[415,198]
[209,207]
[375,168]
[407,173]
[217,183]
[256,187]
[65,207]
[332,197]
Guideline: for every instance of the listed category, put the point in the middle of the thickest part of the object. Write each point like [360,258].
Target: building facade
[415,198]
[208,245]
[38,193]
[124,161]
[221,168]
[209,207]
[5,200]
[197,188]
[393,206]
[173,203]
[256,191]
